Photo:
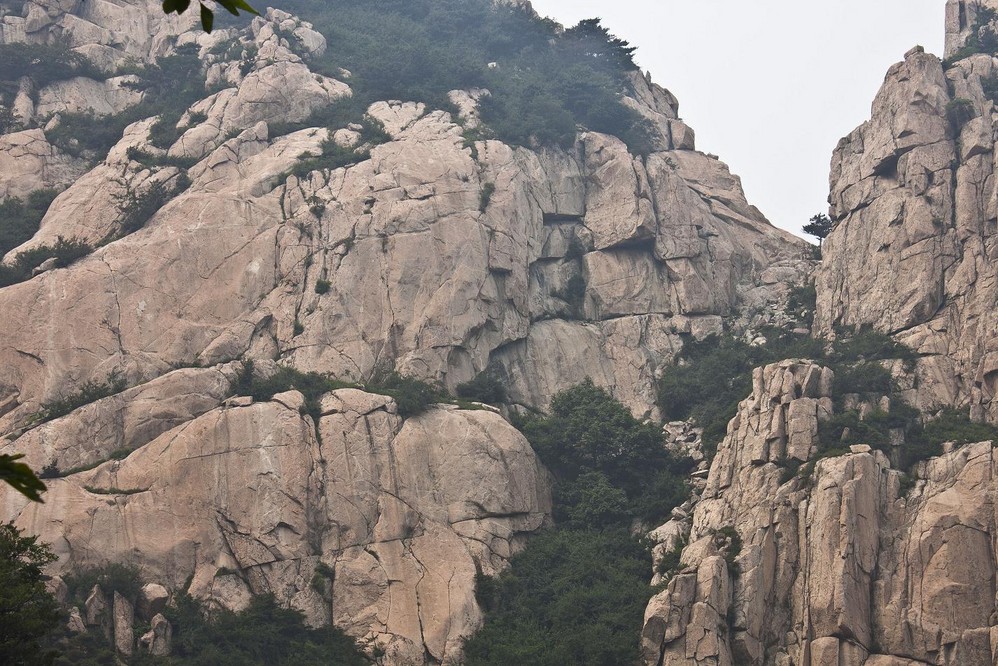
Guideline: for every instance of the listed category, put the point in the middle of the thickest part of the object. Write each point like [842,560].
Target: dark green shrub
[65,252]
[671,559]
[572,597]
[139,207]
[311,385]
[589,432]
[863,378]
[27,611]
[951,425]
[545,84]
[488,189]
[90,391]
[801,303]
[322,286]
[960,111]
[485,387]
[730,544]
[120,578]
[412,396]
[43,63]
[169,87]
[263,634]
[20,220]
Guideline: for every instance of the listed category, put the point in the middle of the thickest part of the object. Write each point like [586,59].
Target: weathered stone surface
[28,162]
[158,639]
[152,600]
[83,95]
[836,567]
[124,619]
[251,489]
[913,199]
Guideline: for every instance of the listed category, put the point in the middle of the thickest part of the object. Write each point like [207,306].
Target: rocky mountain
[217,236]
[253,280]
[801,555]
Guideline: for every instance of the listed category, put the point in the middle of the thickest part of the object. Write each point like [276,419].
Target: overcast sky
[770,86]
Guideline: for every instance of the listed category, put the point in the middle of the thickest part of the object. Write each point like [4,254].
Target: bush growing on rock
[65,252]
[576,594]
[485,387]
[543,82]
[19,220]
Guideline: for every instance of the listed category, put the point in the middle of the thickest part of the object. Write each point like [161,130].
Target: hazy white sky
[769,85]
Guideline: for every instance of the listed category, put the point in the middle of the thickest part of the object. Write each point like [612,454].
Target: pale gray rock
[83,95]
[28,162]
[158,639]
[124,619]
[918,197]
[152,600]
[75,623]
[252,490]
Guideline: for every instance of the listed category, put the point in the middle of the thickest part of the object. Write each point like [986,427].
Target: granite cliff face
[436,257]
[794,558]
[836,564]
[914,188]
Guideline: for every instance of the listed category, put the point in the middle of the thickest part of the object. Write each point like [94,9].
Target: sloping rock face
[434,258]
[588,250]
[835,567]
[375,523]
[914,246]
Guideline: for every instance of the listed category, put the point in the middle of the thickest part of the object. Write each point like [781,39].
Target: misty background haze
[769,85]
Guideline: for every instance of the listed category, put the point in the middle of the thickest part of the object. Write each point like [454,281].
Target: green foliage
[263,634]
[713,375]
[139,207]
[485,387]
[801,304]
[488,189]
[311,385]
[412,396]
[90,391]
[20,477]
[951,425]
[322,286]
[589,433]
[19,220]
[64,251]
[670,559]
[989,85]
[572,597]
[120,578]
[922,438]
[960,111]
[169,88]
[8,121]
[44,63]
[27,611]
[543,83]
[819,227]
[730,543]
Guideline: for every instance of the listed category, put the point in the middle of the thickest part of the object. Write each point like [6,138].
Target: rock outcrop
[256,498]
[834,565]
[914,189]
[431,255]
